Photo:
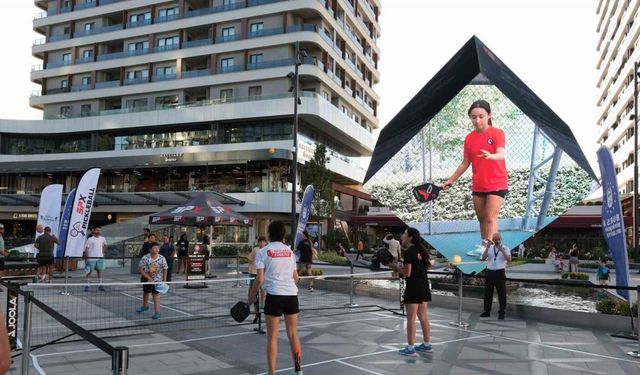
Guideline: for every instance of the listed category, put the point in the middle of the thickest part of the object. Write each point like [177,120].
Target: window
[162,101]
[226,94]
[228,33]
[255,59]
[168,13]
[226,65]
[140,18]
[326,96]
[136,104]
[66,30]
[137,74]
[66,57]
[89,26]
[255,91]
[85,110]
[256,28]
[168,43]
[227,3]
[86,81]
[87,54]
[64,84]
[65,111]
[139,46]
[165,71]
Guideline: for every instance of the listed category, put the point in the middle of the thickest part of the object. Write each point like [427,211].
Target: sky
[549,44]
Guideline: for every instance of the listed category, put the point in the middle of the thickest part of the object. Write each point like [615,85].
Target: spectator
[497,257]
[603,272]
[574,262]
[522,250]
[168,251]
[341,250]
[45,244]
[262,242]
[553,255]
[153,269]
[183,252]
[306,250]
[360,250]
[146,246]
[95,249]
[394,246]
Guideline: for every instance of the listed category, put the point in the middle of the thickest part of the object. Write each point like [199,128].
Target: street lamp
[299,57]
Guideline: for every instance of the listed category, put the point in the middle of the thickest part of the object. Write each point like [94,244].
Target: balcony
[164,77]
[326,37]
[265,32]
[57,64]
[59,90]
[107,84]
[348,90]
[135,81]
[55,38]
[195,73]
[231,69]
[302,27]
[228,38]
[84,60]
[217,9]
[35,68]
[169,47]
[196,43]
[98,30]
[75,88]
[87,4]
[169,18]
[271,64]
[118,55]
[131,25]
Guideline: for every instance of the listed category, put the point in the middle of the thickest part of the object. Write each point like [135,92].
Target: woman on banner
[484,150]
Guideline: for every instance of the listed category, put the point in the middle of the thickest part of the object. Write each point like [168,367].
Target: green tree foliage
[315,173]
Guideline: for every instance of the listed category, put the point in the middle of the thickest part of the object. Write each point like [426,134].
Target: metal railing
[135,81]
[145,22]
[231,69]
[107,84]
[56,38]
[265,32]
[84,60]
[197,43]
[169,47]
[98,30]
[81,87]
[56,64]
[195,73]
[270,64]
[117,55]
[163,77]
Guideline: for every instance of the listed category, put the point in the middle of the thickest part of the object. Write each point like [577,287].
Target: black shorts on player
[278,305]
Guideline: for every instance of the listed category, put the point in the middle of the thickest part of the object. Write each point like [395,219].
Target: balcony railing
[197,43]
[302,27]
[85,5]
[265,32]
[84,60]
[131,25]
[107,84]
[231,69]
[195,73]
[270,64]
[98,30]
[35,68]
[135,81]
[163,77]
[55,38]
[117,55]
[216,9]
[165,48]
[81,87]
[169,18]
[56,64]
[58,90]
[228,38]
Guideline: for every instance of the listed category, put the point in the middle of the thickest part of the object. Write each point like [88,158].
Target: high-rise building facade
[193,95]
[617,49]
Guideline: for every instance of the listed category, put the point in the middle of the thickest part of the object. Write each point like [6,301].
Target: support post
[551,185]
[66,276]
[460,323]
[351,288]
[636,353]
[26,333]
[636,251]
[294,161]
[120,360]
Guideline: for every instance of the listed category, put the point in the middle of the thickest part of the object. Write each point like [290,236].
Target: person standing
[360,248]
[521,250]
[94,250]
[262,242]
[208,254]
[394,246]
[305,248]
[276,267]
[3,251]
[168,251]
[153,269]
[417,292]
[183,252]
[484,150]
[497,256]
[45,244]
[603,272]
[574,262]
[146,246]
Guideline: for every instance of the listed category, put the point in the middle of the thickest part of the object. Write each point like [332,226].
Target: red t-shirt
[488,175]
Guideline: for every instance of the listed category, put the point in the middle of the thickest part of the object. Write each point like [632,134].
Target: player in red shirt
[484,150]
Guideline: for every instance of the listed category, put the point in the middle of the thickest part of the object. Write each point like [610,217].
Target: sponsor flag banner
[49,208]
[612,220]
[81,213]
[305,211]
[64,223]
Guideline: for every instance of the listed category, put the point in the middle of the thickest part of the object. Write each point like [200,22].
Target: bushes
[314,272]
[334,237]
[333,258]
[575,276]
[616,307]
[610,265]
[230,250]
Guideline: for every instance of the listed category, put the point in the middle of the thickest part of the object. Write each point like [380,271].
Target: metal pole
[120,360]
[66,276]
[430,176]
[530,191]
[636,353]
[294,162]
[237,285]
[460,323]
[351,289]
[636,66]
[26,334]
[551,185]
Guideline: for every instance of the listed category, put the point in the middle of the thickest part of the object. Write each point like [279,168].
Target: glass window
[165,71]
[227,3]
[87,53]
[135,74]
[256,27]
[64,84]
[162,101]
[165,42]
[228,33]
[226,94]
[66,57]
[85,109]
[86,81]
[89,26]
[65,111]
[169,12]
[326,96]
[138,46]
[255,91]
[137,104]
[255,59]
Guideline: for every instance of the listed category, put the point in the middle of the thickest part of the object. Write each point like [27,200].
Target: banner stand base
[626,335]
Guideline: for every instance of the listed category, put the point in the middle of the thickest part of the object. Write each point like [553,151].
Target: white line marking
[358,367]
[36,365]
[161,306]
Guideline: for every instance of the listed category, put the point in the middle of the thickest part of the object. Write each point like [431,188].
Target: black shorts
[183,253]
[417,294]
[149,288]
[45,261]
[500,193]
[278,305]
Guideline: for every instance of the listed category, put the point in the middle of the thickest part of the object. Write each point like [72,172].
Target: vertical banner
[81,213]
[49,209]
[305,210]
[12,317]
[612,220]
[64,223]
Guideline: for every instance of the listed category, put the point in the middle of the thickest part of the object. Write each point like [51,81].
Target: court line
[161,306]
[36,365]
[358,367]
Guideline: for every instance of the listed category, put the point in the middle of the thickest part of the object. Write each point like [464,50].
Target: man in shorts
[277,274]
[94,250]
[45,244]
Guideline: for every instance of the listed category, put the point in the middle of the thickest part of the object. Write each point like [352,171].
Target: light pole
[635,160]
[299,56]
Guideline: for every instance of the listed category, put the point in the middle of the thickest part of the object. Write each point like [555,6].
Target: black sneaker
[501,316]
[485,315]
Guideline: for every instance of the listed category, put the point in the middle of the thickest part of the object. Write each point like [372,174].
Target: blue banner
[64,224]
[612,220]
[305,210]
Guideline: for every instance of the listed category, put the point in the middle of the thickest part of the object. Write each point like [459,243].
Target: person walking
[183,253]
[45,244]
[360,247]
[276,267]
[417,292]
[262,242]
[94,250]
[153,269]
[497,256]
[168,251]
[306,251]
[574,262]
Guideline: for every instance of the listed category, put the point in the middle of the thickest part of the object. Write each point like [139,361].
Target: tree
[315,173]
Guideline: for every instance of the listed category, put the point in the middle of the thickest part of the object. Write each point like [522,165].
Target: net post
[351,288]
[460,323]
[120,360]
[26,333]
[66,276]
[636,353]
[237,268]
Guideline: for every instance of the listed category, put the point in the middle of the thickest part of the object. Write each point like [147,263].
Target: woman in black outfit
[183,252]
[417,292]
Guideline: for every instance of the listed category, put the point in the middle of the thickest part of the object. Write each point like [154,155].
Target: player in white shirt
[94,249]
[278,276]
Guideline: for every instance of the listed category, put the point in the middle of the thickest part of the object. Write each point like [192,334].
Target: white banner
[49,209]
[81,213]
